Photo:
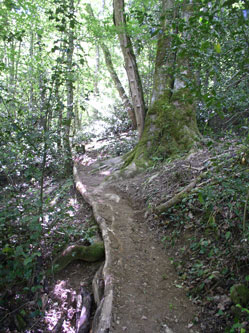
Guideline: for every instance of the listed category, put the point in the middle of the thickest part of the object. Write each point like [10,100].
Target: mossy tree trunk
[170,124]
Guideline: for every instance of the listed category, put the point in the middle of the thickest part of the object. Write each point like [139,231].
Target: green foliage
[36,127]
[214,219]
[240,295]
[28,242]
[219,58]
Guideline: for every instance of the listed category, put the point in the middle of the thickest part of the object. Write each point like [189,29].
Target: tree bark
[131,68]
[170,126]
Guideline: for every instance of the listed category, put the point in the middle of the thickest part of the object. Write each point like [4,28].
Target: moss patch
[170,129]
[90,253]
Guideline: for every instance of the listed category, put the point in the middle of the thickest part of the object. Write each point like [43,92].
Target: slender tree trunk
[70,95]
[17,64]
[118,85]
[42,87]
[135,84]
[59,103]
[12,65]
[12,84]
[127,104]
[59,109]
[97,68]
[31,54]
[44,109]
[77,120]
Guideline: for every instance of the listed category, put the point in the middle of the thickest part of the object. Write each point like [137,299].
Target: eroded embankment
[141,292]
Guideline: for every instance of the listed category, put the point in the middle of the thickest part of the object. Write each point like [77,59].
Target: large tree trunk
[135,84]
[170,126]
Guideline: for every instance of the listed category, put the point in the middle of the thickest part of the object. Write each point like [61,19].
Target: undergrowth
[29,242]
[209,231]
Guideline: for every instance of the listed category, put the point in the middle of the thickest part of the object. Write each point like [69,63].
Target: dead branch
[179,196]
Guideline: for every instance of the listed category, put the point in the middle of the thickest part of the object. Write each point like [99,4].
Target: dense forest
[154,80]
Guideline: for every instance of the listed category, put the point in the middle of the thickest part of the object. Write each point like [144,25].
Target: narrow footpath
[141,292]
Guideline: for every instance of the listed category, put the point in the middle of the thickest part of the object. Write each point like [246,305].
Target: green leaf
[217,47]
[27,261]
[19,250]
[200,198]
[154,33]
[9,4]
[2,66]
[72,24]
[61,28]
[55,48]
[7,249]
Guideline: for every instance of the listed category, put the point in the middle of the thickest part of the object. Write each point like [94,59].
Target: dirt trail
[141,292]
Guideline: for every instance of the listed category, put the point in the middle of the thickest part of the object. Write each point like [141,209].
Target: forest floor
[155,260]
[169,272]
[146,297]
[194,248]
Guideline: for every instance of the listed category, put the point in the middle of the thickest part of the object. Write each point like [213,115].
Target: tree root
[91,253]
[83,314]
[179,196]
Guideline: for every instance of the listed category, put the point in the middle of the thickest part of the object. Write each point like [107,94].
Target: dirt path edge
[104,310]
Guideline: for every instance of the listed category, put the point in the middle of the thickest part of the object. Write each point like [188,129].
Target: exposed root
[91,253]
[179,196]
